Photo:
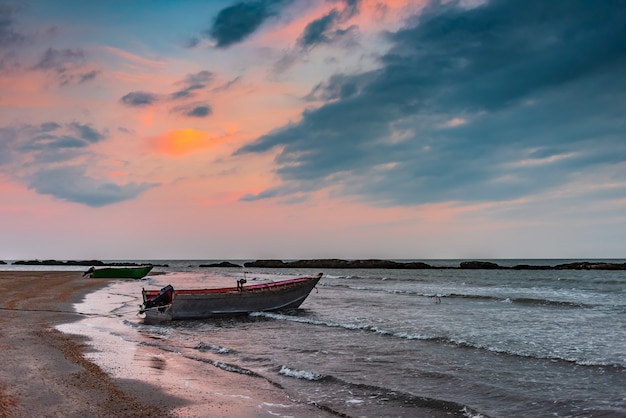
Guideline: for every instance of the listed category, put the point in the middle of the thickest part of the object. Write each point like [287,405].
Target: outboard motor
[162,299]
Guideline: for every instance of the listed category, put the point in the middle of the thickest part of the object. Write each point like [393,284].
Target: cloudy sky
[312,128]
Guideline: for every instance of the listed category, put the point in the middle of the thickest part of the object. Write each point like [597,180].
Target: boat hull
[205,303]
[121,272]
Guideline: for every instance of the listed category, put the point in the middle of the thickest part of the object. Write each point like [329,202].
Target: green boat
[118,272]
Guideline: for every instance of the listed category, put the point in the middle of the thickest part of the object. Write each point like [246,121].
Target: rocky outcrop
[531,267]
[222,264]
[334,263]
[77,263]
[479,265]
[59,263]
[586,265]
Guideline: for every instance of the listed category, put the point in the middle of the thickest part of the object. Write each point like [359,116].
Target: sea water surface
[381,343]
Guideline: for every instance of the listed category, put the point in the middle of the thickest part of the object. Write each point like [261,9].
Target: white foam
[349,326]
[217,349]
[299,374]
[470,414]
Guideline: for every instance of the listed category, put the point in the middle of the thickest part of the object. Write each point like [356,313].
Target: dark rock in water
[84,263]
[531,267]
[479,265]
[586,265]
[60,263]
[75,263]
[222,264]
[2,262]
[266,263]
[38,263]
[334,263]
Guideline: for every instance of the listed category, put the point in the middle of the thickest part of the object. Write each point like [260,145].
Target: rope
[68,312]
[46,310]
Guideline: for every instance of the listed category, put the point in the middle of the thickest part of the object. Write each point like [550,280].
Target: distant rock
[266,264]
[58,263]
[74,263]
[222,264]
[479,265]
[334,263]
[531,267]
[586,265]
[83,263]
[2,262]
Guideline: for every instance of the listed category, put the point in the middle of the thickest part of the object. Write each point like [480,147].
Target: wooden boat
[118,272]
[169,304]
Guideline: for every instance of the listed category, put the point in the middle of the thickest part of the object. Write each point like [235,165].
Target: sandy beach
[44,372]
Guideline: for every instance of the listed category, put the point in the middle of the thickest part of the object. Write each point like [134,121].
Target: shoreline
[45,371]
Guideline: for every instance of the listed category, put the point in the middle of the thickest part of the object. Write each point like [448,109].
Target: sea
[388,343]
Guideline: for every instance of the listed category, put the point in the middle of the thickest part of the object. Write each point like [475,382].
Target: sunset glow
[183,141]
[300,129]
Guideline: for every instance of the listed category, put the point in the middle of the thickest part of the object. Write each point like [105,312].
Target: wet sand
[45,373]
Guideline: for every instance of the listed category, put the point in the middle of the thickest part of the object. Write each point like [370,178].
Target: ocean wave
[363,393]
[522,300]
[213,348]
[148,328]
[453,341]
[442,295]
[232,368]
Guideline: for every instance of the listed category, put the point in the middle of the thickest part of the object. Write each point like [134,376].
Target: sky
[299,129]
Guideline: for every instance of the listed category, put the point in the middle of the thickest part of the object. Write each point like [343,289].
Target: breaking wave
[460,343]
[520,300]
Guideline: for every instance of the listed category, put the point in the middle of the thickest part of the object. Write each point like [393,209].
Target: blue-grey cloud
[57,59]
[227,85]
[49,126]
[325,29]
[199,111]
[9,36]
[339,87]
[139,99]
[83,77]
[44,157]
[194,110]
[8,137]
[316,31]
[190,86]
[50,141]
[235,23]
[490,102]
[71,183]
[193,82]
[87,133]
[69,65]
